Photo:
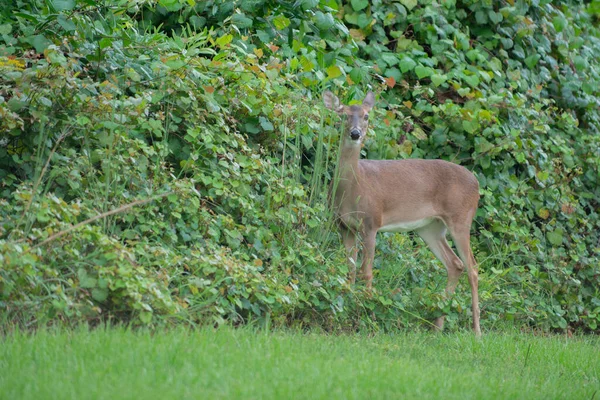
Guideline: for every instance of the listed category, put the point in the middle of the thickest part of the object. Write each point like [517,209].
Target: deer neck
[349,173]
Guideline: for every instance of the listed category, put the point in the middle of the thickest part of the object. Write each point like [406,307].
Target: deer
[429,197]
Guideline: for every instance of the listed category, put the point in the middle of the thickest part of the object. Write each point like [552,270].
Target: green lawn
[229,364]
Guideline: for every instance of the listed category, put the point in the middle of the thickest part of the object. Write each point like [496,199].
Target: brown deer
[425,196]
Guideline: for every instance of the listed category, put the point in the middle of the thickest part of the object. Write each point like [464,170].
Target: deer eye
[366,117]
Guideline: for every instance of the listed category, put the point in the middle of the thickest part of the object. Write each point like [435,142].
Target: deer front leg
[350,243]
[368,256]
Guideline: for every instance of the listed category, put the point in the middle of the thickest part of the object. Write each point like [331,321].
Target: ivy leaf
[242,21]
[532,60]
[100,295]
[438,79]
[40,43]
[170,5]
[63,5]
[66,24]
[146,317]
[266,124]
[559,23]
[495,17]
[507,43]
[543,213]
[390,59]
[323,21]
[394,73]
[359,4]
[470,126]
[351,18]
[472,80]
[251,128]
[175,63]
[409,4]
[555,237]
[5,29]
[423,72]
[357,75]
[363,20]
[407,64]
[105,43]
[281,22]
[481,17]
[307,4]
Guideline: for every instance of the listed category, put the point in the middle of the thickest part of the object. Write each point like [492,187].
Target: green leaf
[351,18]
[559,23]
[333,72]
[242,21]
[307,4]
[495,64]
[323,21]
[357,75]
[363,20]
[423,72]
[14,104]
[251,128]
[579,62]
[407,64]
[40,43]
[359,4]
[100,295]
[390,59]
[175,63]
[281,22]
[266,124]
[66,24]
[146,317]
[495,17]
[507,43]
[306,64]
[170,5]
[532,60]
[472,80]
[56,57]
[438,79]
[481,17]
[105,43]
[409,4]
[63,5]
[85,281]
[5,29]
[224,40]
[472,54]
[470,126]
[555,237]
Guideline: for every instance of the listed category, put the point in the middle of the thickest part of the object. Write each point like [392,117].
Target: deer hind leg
[351,244]
[462,237]
[434,235]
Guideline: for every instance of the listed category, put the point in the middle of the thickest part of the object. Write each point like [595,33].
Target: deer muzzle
[354,134]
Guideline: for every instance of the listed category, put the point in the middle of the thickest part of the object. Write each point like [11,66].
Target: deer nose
[354,134]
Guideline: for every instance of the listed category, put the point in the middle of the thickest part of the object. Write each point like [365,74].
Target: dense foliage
[165,161]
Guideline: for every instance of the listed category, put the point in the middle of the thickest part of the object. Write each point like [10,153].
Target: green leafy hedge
[169,161]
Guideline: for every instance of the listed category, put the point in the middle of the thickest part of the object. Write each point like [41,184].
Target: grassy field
[244,364]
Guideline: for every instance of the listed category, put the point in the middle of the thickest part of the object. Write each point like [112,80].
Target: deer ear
[332,102]
[369,101]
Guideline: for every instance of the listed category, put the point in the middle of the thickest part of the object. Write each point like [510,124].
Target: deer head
[357,116]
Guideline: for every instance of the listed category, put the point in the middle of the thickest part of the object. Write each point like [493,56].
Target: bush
[167,161]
